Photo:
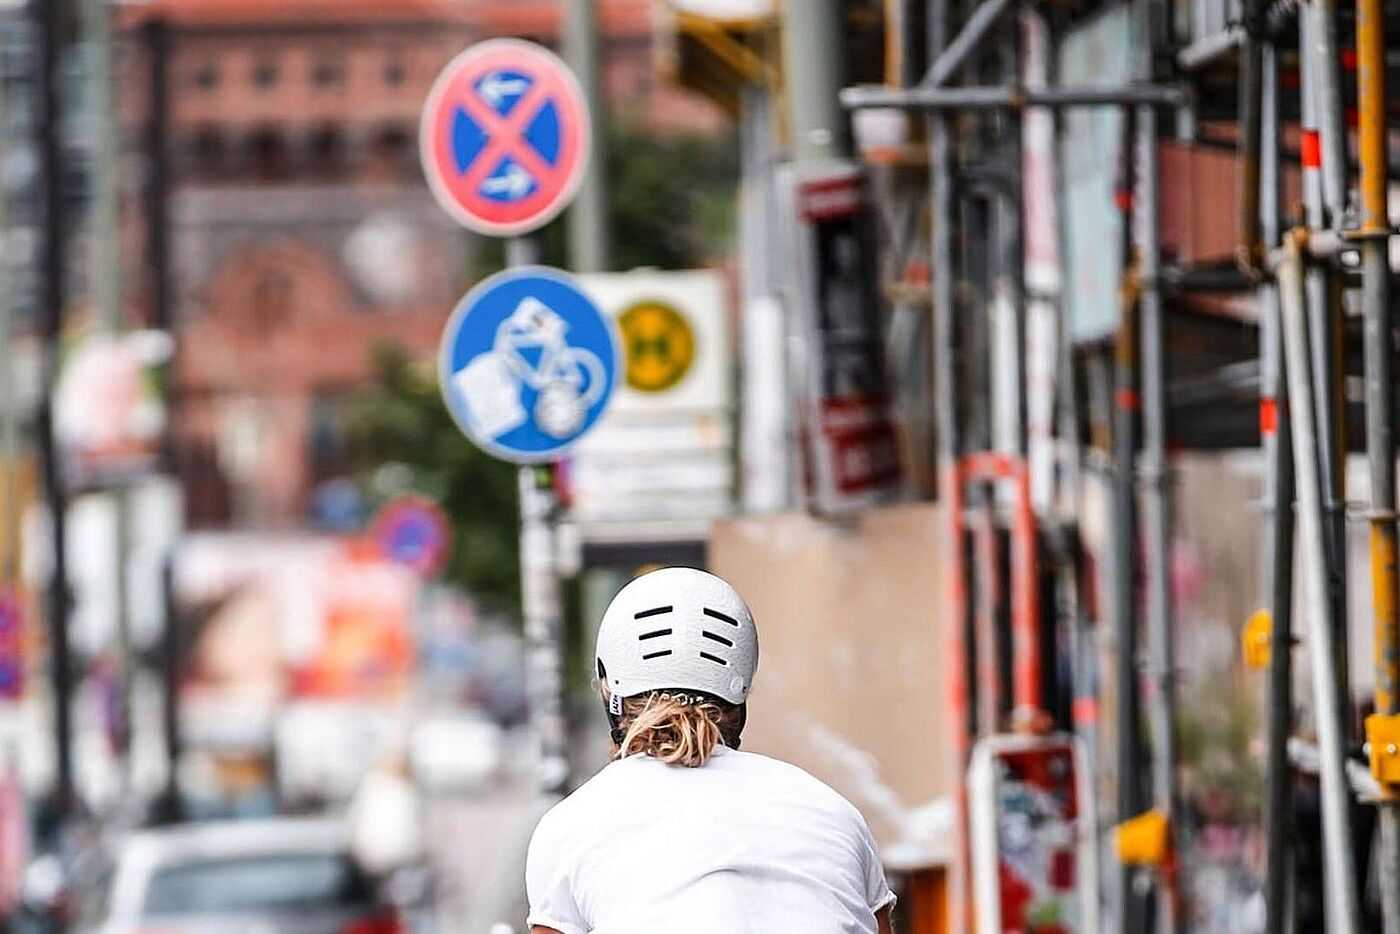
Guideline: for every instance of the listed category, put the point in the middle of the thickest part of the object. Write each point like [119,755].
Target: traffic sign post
[541,599]
[527,365]
[505,137]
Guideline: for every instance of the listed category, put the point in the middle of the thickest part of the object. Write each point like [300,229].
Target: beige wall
[850,682]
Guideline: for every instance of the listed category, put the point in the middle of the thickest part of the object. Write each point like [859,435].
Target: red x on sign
[505,137]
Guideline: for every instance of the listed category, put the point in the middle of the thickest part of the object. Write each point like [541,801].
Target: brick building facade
[302,230]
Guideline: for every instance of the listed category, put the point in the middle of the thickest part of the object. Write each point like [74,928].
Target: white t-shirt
[743,844]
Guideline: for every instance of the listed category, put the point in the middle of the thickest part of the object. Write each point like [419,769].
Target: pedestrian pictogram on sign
[527,364]
[505,137]
[414,531]
[660,345]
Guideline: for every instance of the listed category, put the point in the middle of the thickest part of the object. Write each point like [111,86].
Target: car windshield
[287,882]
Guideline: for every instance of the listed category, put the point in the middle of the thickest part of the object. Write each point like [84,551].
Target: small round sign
[660,345]
[414,531]
[10,614]
[11,647]
[505,137]
[527,364]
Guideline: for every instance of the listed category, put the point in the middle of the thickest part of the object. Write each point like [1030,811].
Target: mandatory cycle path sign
[528,364]
[505,137]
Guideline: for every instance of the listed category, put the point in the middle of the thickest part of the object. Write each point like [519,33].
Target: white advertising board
[664,449]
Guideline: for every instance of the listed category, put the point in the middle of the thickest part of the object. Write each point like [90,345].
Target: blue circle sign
[414,531]
[527,364]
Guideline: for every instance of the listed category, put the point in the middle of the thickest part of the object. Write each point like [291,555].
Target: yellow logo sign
[660,346]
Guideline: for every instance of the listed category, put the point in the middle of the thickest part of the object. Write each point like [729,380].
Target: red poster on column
[853,453]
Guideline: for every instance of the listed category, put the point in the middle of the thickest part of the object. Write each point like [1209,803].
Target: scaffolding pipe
[975,98]
[1209,49]
[1340,884]
[1251,250]
[1324,63]
[1124,580]
[983,18]
[961,638]
[1324,326]
[1377,334]
[1276,438]
[1156,509]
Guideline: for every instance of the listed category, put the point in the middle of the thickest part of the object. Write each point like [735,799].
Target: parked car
[288,876]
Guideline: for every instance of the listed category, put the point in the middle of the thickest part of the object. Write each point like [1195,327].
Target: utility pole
[814,68]
[49,22]
[157,43]
[104,285]
[9,407]
[590,243]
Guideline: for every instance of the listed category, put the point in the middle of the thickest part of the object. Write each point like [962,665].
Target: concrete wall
[850,681]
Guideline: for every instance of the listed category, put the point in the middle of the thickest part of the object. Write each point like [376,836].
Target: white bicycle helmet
[679,629]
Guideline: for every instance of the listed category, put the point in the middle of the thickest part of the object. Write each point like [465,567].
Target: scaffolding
[983,80]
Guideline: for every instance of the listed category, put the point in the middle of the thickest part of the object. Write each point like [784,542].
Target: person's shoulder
[581,805]
[793,779]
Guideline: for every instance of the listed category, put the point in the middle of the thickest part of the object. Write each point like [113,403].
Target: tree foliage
[406,441]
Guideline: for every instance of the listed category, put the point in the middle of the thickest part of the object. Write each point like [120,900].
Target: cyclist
[682,832]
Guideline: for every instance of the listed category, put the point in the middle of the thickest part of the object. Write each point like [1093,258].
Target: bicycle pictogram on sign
[527,364]
[505,137]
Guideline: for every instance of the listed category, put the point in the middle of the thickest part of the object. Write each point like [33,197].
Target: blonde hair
[674,728]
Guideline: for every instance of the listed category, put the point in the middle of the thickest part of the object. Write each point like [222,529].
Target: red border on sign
[393,511]
[556,185]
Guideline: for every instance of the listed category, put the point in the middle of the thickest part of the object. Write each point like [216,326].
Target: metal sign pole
[541,600]
[522,408]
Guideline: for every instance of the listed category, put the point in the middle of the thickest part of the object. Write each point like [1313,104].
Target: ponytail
[676,730]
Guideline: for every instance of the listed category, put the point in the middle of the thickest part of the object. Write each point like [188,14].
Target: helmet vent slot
[650,655]
[714,658]
[654,611]
[654,634]
[716,614]
[718,638]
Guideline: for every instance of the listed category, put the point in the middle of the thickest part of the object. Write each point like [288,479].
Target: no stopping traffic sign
[505,137]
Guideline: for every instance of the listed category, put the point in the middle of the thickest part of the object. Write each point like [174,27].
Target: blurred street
[1025,369]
